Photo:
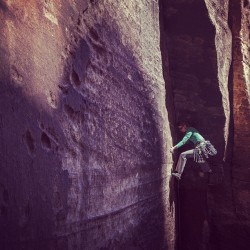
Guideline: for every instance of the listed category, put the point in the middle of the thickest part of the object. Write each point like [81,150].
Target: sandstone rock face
[90,93]
[84,128]
[198,83]
[211,88]
[232,221]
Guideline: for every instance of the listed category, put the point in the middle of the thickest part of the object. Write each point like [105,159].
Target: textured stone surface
[84,128]
[241,97]
[231,213]
[211,88]
[87,120]
[193,67]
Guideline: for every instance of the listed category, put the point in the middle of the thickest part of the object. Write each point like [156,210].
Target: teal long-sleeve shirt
[191,135]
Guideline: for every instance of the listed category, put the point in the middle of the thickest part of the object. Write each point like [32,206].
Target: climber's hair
[182,123]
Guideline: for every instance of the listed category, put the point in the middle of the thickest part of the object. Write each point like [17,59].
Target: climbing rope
[179,215]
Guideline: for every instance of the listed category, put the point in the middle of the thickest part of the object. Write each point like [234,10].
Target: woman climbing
[201,151]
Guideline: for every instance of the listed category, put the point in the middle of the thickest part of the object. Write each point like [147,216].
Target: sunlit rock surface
[84,128]
[90,93]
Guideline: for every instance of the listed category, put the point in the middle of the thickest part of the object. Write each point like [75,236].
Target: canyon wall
[207,44]
[85,135]
[90,94]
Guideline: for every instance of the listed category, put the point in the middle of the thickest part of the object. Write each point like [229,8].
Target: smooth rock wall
[84,129]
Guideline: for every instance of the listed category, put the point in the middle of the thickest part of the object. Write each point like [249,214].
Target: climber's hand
[172,150]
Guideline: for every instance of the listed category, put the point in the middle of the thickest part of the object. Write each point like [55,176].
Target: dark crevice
[165,69]
[246,3]
[3,6]
[233,178]
[75,78]
[192,91]
[46,142]
[169,102]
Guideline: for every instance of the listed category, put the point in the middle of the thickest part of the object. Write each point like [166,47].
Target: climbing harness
[202,150]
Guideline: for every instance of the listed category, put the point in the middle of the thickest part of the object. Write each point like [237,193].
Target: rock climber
[201,151]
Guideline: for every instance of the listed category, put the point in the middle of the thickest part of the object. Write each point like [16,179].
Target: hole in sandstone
[246,2]
[45,141]
[75,116]
[29,142]
[69,110]
[75,78]
[94,34]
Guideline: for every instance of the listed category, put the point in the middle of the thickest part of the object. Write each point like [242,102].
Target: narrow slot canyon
[91,92]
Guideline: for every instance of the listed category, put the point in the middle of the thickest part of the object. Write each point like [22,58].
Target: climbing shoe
[177,175]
